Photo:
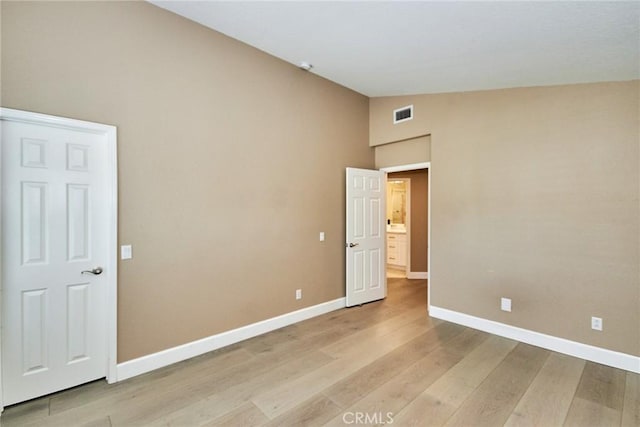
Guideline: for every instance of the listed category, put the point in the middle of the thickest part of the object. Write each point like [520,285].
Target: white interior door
[55,220]
[365,240]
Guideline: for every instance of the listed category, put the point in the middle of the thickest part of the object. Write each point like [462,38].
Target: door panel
[34,334]
[365,251]
[34,222]
[77,326]
[77,222]
[55,225]
[374,265]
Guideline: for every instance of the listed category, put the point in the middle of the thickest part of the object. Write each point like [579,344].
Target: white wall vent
[403,114]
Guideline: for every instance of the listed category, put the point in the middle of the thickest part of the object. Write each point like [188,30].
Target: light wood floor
[384,361]
[396,273]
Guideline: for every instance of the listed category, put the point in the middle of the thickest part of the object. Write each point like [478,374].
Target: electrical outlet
[596,323]
[322,236]
[505,304]
[298,293]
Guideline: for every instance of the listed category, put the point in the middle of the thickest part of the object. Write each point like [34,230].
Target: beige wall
[419,217]
[230,161]
[535,197]
[414,150]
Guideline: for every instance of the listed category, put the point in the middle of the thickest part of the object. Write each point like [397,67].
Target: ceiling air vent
[403,114]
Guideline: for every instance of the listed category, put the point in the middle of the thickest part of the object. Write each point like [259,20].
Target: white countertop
[397,229]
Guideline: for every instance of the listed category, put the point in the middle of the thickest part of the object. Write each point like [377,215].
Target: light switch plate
[322,236]
[125,252]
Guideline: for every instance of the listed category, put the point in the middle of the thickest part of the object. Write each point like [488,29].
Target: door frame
[109,133]
[418,166]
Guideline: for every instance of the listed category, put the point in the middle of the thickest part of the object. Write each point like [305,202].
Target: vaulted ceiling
[386,48]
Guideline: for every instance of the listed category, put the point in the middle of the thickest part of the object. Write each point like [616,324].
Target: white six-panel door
[365,239]
[55,221]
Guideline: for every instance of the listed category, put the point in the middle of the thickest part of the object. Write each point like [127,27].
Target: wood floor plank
[437,403]
[98,422]
[602,384]
[78,396]
[31,411]
[313,412]
[245,415]
[390,398]
[587,413]
[344,347]
[288,395]
[493,401]
[325,335]
[221,401]
[321,330]
[360,383]
[464,343]
[631,408]
[599,398]
[377,311]
[547,400]
[272,340]
[407,293]
[341,319]
[474,368]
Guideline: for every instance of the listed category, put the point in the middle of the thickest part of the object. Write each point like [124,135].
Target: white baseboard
[418,275]
[167,357]
[561,345]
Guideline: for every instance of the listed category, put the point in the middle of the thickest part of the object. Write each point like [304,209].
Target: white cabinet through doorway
[397,249]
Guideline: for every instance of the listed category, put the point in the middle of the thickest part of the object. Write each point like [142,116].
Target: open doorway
[408,232]
[398,228]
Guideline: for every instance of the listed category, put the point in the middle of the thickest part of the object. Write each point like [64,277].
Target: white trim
[418,275]
[112,260]
[404,168]
[10,114]
[560,345]
[173,355]
[1,273]
[429,179]
[407,198]
[111,264]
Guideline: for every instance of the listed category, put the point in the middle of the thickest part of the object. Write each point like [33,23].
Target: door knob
[95,271]
[351,245]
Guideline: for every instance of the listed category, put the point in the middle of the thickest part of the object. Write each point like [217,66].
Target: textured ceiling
[392,48]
